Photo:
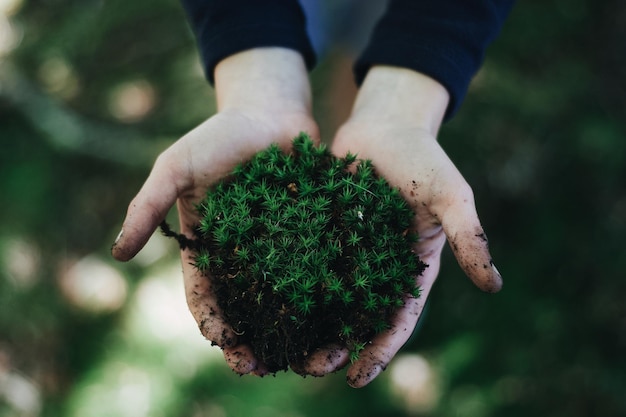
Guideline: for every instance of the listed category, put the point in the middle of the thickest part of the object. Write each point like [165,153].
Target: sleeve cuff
[225,28]
[444,39]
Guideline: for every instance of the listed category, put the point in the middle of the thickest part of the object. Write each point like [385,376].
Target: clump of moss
[303,252]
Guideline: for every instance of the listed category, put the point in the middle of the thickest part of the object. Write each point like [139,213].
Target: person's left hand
[404,150]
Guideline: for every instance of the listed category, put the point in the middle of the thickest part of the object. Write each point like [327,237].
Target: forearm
[397,96]
[263,78]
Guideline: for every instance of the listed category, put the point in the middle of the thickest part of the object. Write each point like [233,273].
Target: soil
[277,283]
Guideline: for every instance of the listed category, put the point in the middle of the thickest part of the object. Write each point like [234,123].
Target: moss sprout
[304,251]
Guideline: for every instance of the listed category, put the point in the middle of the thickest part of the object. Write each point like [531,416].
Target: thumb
[147,210]
[470,245]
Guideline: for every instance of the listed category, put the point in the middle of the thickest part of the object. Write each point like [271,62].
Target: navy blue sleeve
[223,28]
[444,39]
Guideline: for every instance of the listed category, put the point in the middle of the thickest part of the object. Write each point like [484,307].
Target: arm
[256,54]
[413,75]
[263,97]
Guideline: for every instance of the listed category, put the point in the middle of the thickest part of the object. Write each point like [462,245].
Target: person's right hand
[263,98]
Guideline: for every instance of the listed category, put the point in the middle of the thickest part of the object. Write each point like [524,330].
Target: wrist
[267,79]
[403,97]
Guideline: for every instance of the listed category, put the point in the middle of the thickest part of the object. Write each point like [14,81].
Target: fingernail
[119,236]
[495,269]
[496,283]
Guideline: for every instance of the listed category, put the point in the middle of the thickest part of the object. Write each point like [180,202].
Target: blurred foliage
[91,91]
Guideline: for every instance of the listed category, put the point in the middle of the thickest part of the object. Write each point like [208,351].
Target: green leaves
[202,261]
[310,246]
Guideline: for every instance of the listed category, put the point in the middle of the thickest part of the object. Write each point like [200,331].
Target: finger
[203,305]
[377,355]
[470,245]
[148,209]
[261,369]
[326,360]
[241,359]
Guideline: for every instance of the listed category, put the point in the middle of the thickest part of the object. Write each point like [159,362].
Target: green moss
[303,252]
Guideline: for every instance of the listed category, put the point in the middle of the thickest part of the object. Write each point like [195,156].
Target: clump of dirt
[304,252]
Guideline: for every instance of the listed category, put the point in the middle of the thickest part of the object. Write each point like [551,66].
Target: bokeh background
[92,90]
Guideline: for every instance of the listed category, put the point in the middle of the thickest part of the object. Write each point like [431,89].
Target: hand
[263,98]
[394,123]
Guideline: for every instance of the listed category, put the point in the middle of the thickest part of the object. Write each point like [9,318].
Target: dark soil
[304,253]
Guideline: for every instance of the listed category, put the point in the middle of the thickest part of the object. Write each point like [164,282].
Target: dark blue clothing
[444,39]
[225,27]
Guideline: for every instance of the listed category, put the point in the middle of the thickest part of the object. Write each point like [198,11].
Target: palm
[210,152]
[182,174]
[411,159]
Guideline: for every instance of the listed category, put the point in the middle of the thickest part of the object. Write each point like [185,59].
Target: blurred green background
[91,91]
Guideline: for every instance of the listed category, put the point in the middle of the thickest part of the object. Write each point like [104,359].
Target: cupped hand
[182,174]
[394,130]
[263,97]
